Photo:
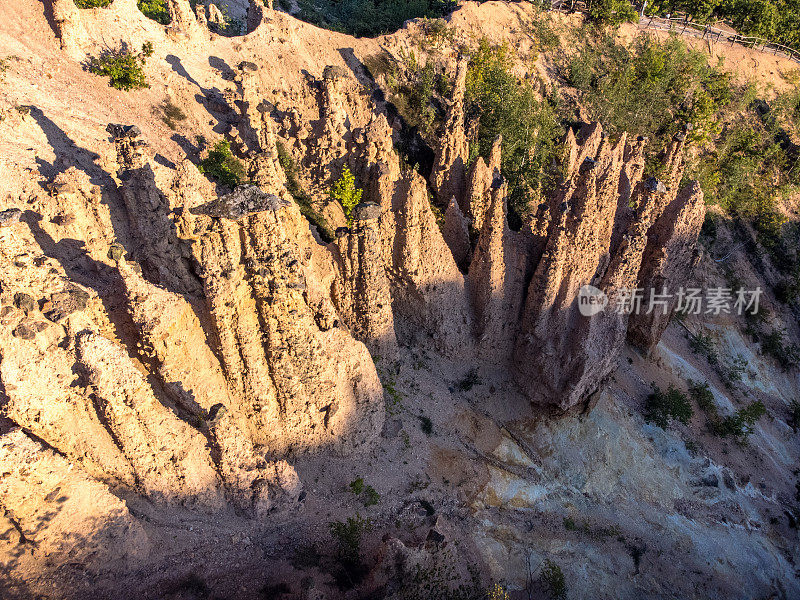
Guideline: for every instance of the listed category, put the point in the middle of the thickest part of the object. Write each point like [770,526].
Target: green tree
[346,193]
[530,128]
[612,12]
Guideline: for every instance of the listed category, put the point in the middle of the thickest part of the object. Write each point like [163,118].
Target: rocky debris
[69,27]
[448,177]
[667,263]
[361,289]
[244,201]
[24,331]
[24,302]
[62,304]
[10,217]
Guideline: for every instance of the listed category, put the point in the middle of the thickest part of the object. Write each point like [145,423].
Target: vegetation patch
[347,535]
[222,165]
[345,192]
[662,407]
[92,3]
[156,10]
[172,114]
[124,69]
[528,123]
[368,17]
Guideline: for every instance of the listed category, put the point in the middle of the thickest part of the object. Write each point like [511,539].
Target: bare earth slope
[191,378]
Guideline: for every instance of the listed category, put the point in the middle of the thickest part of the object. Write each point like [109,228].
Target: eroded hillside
[221,379]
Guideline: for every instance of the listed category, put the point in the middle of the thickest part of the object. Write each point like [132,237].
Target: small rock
[215,414]
[710,480]
[24,302]
[116,252]
[435,537]
[62,304]
[332,72]
[366,211]
[123,131]
[24,331]
[9,217]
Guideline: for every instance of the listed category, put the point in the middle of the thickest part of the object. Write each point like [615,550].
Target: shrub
[497,592]
[612,12]
[346,193]
[794,415]
[774,345]
[529,126]
[156,10]
[553,579]
[148,49]
[357,486]
[124,69]
[92,3]
[702,343]
[740,424]
[347,536]
[701,393]
[470,379]
[372,497]
[426,424]
[222,165]
[369,17]
[661,407]
[171,114]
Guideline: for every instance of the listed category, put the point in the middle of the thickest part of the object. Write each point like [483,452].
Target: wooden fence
[682,26]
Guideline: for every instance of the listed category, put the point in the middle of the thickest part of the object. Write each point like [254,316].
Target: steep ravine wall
[180,342]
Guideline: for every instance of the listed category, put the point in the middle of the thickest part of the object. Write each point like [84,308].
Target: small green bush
[740,424]
[372,497]
[92,3]
[347,536]
[156,10]
[774,345]
[703,344]
[426,424]
[701,393]
[124,69]
[172,114]
[612,12]
[222,165]
[661,407]
[530,128]
[553,579]
[470,380]
[346,193]
[794,415]
[357,486]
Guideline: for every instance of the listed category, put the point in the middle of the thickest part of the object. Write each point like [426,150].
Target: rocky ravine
[189,374]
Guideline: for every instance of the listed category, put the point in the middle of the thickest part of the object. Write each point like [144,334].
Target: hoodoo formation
[275,327]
